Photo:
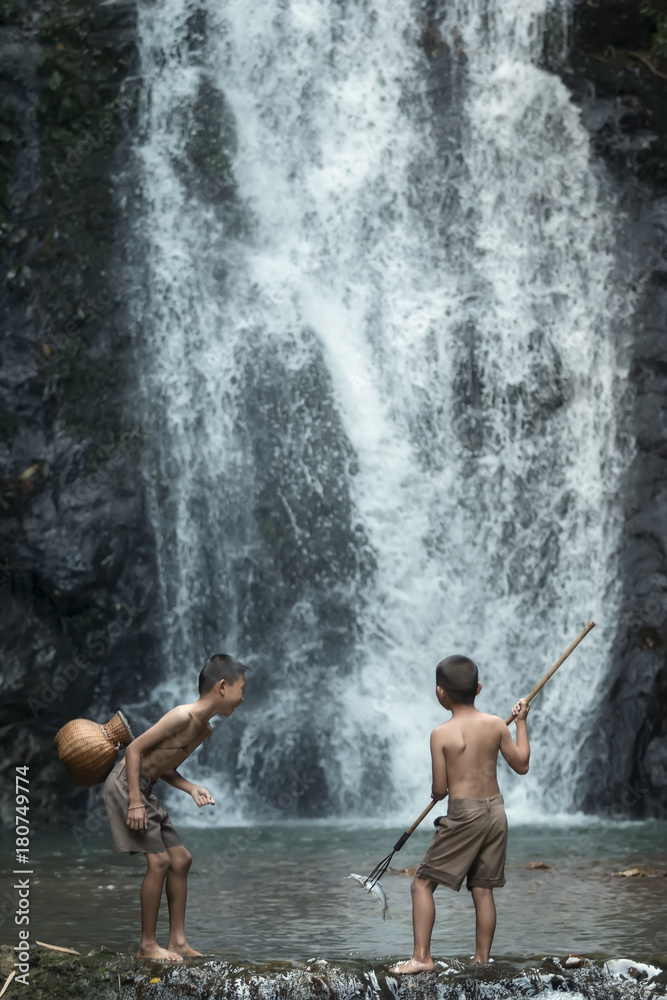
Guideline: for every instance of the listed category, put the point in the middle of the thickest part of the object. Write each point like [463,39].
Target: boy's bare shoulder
[180,717]
[491,720]
[177,712]
[439,734]
[495,719]
[493,723]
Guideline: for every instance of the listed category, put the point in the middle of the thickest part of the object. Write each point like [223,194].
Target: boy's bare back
[464,751]
[471,841]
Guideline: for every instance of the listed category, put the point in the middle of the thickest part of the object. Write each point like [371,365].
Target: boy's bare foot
[412,966]
[185,950]
[155,951]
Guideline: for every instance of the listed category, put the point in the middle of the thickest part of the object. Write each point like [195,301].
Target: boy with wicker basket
[140,824]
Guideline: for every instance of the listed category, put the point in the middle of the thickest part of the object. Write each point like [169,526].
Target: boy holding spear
[471,840]
[464,752]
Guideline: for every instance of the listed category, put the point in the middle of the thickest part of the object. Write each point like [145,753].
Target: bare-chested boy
[471,840]
[138,821]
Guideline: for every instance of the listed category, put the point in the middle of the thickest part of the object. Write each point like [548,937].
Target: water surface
[279,892]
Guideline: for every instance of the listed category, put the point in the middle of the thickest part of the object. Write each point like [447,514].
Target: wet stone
[101,975]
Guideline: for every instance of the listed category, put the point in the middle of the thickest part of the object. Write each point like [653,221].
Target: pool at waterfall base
[271,904]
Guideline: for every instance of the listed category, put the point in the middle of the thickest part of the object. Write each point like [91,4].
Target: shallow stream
[279,893]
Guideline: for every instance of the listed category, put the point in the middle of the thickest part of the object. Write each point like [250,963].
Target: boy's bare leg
[423,918]
[485,922]
[151,893]
[177,892]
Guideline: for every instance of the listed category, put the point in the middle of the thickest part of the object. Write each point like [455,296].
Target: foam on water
[440,263]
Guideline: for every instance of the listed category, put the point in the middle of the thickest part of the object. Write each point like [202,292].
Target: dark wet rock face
[100,975]
[616,68]
[76,557]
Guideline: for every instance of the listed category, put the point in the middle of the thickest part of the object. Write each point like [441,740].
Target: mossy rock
[10,12]
[653,164]
[656,11]
[8,144]
[84,114]
[622,49]
[210,146]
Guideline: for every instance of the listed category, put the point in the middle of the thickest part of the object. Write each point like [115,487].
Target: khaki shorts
[160,833]
[470,841]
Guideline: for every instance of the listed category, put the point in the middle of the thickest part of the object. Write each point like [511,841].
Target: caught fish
[375,890]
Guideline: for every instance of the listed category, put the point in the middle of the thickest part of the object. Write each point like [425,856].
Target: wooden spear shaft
[555,667]
[530,697]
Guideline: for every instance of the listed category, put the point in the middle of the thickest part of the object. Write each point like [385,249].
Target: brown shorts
[471,840]
[160,833]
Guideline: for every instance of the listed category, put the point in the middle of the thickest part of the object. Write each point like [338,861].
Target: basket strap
[108,736]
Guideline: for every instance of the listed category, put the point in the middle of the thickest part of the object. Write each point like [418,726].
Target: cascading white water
[382,373]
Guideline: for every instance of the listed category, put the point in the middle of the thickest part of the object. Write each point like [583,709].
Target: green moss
[554,38]
[653,167]
[210,146]
[8,144]
[9,421]
[84,111]
[81,113]
[657,11]
[90,389]
[72,92]
[10,12]
[82,623]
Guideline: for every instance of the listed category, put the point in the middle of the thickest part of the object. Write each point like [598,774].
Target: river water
[279,892]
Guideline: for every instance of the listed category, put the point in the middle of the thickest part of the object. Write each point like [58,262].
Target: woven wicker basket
[89,750]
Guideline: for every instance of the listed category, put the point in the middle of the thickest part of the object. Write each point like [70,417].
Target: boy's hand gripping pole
[381,868]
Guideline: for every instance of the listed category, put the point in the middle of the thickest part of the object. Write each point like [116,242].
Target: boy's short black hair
[219,667]
[458,676]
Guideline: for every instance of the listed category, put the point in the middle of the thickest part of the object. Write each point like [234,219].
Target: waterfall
[380,338]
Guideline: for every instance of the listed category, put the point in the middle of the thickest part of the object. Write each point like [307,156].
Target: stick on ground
[55,947]
[7,982]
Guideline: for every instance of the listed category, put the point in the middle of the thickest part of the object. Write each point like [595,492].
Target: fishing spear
[382,866]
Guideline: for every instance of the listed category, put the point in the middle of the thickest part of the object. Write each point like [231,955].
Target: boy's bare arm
[439,787]
[517,754]
[200,794]
[174,723]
